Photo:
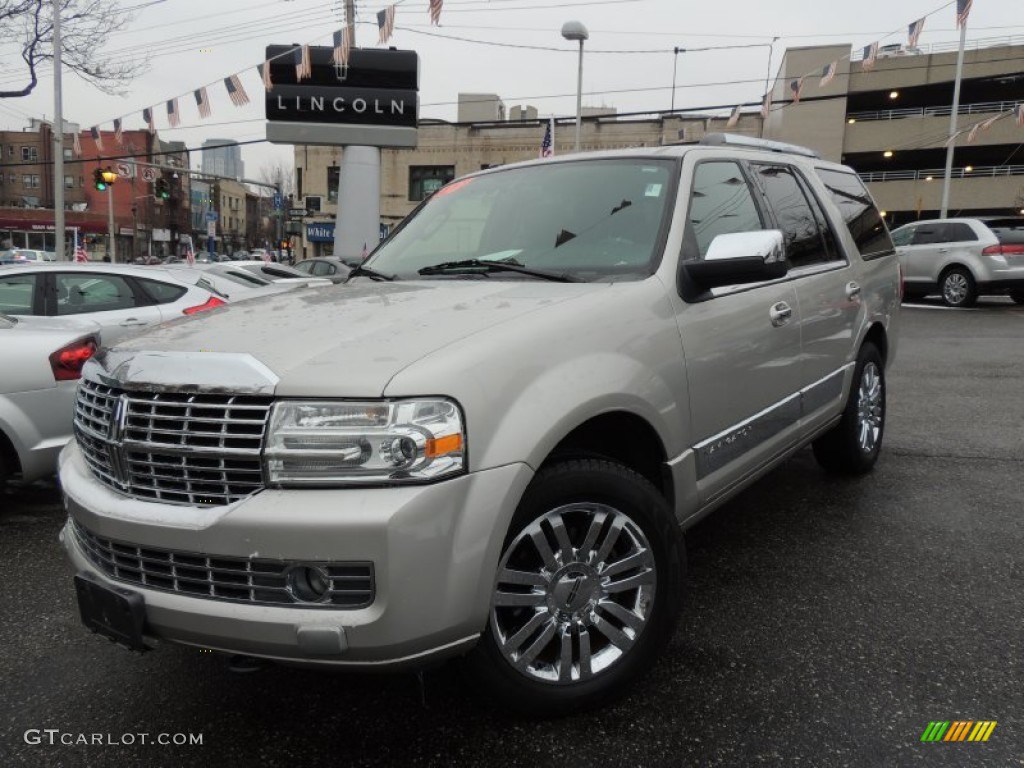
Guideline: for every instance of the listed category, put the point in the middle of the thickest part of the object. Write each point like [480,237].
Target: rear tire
[852,446]
[958,288]
[3,475]
[1017,296]
[587,592]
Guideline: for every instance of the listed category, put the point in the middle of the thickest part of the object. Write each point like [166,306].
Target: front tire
[852,446]
[587,591]
[958,288]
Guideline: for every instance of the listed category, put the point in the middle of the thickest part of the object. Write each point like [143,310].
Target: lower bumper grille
[238,579]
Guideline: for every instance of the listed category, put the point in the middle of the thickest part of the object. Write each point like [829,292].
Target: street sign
[385,230]
[211,229]
[278,201]
[297,213]
[125,170]
[212,216]
[149,174]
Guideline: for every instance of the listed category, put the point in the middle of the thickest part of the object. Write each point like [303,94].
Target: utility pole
[953,119]
[58,141]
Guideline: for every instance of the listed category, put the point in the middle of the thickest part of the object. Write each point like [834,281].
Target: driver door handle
[780,314]
[132,321]
[852,290]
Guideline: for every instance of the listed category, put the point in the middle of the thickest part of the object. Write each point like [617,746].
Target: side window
[16,294]
[929,234]
[859,212]
[319,269]
[93,292]
[958,232]
[903,235]
[720,203]
[804,243]
[162,293]
[305,266]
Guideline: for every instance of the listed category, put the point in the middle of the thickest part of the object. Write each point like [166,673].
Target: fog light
[308,584]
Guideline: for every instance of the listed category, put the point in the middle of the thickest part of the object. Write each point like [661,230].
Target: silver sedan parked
[42,361]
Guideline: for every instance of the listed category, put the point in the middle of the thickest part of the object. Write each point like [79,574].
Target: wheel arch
[623,437]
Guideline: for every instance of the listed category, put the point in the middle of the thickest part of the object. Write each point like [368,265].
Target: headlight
[349,443]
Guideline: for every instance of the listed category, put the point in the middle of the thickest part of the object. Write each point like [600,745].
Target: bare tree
[279,173]
[86,27]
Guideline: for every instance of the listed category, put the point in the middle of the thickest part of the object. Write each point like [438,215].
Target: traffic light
[97,180]
[162,190]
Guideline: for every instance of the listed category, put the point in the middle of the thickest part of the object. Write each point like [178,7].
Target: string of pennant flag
[301,56]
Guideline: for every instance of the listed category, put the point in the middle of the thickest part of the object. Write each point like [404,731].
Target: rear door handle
[131,321]
[852,290]
[780,314]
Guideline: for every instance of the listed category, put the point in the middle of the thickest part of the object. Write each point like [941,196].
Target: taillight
[1004,250]
[211,303]
[67,362]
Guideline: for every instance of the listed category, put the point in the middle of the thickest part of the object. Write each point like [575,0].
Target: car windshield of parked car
[591,219]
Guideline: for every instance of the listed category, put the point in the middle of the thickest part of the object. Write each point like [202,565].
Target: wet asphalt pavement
[827,622]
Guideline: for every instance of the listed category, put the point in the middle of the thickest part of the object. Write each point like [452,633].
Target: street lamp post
[675,66]
[110,176]
[574,30]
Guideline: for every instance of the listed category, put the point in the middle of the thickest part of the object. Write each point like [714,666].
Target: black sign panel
[371,101]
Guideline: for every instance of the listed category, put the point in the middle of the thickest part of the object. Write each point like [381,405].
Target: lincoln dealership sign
[372,102]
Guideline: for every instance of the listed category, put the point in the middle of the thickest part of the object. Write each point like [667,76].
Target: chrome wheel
[869,408]
[574,591]
[955,288]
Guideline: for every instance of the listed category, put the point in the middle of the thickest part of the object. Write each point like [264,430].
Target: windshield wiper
[373,274]
[467,265]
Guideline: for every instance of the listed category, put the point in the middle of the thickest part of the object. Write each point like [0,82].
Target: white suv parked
[490,440]
[962,258]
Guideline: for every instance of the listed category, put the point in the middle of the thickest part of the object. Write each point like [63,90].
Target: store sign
[372,102]
[322,232]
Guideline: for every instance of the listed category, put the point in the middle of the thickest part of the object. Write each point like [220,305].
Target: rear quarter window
[162,293]
[858,211]
[1008,231]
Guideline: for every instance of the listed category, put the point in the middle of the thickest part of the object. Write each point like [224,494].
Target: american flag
[435,11]
[77,143]
[1020,115]
[303,63]
[202,101]
[386,23]
[147,116]
[172,113]
[795,87]
[963,10]
[870,53]
[364,254]
[982,126]
[734,118]
[828,74]
[118,136]
[190,255]
[95,133]
[914,32]
[547,146]
[766,106]
[264,70]
[80,254]
[342,47]
[235,91]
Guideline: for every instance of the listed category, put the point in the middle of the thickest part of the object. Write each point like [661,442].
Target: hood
[344,340]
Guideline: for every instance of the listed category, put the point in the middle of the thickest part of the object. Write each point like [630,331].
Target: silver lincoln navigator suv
[489,441]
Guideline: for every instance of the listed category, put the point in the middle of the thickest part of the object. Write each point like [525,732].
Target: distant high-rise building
[222,157]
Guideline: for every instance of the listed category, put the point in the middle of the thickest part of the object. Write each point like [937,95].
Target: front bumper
[434,550]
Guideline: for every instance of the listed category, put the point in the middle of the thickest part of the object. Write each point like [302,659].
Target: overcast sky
[190,43]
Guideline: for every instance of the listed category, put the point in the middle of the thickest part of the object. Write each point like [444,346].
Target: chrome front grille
[177,447]
[239,579]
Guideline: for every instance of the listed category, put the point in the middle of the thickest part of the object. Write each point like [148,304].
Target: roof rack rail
[736,140]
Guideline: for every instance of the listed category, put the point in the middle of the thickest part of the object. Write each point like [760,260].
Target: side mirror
[740,257]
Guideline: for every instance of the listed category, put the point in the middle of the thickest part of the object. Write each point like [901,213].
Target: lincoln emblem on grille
[115,441]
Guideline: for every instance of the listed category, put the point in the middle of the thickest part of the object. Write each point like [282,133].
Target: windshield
[591,219]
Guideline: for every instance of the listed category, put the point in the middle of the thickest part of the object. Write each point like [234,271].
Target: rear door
[923,257]
[112,300]
[827,288]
